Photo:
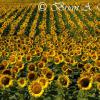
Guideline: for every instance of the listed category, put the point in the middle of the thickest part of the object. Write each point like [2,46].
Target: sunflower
[41,64]
[57,60]
[61,57]
[94,56]
[67,60]
[44,59]
[49,75]
[97,77]
[85,83]
[32,75]
[97,63]
[2,67]
[43,81]
[35,89]
[80,65]
[52,53]
[20,65]
[88,66]
[44,70]
[15,69]
[5,63]
[63,81]
[19,57]
[31,67]
[64,68]
[4,53]
[86,73]
[85,57]
[12,59]
[7,71]
[69,71]
[28,57]
[22,82]
[6,81]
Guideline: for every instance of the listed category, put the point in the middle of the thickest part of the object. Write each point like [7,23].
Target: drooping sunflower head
[85,83]
[6,81]
[63,81]
[35,89]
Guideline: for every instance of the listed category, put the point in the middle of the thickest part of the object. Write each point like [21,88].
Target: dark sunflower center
[5,80]
[7,72]
[31,76]
[85,82]
[1,67]
[49,75]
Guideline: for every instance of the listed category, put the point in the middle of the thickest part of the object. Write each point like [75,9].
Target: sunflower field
[50,51]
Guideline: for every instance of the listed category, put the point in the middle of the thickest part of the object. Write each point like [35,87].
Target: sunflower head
[32,76]
[64,68]
[31,67]
[35,89]
[49,75]
[88,66]
[2,67]
[12,59]
[20,65]
[43,81]
[22,82]
[85,83]
[85,57]
[41,64]
[28,57]
[5,63]
[97,77]
[63,81]
[57,60]
[69,71]
[6,81]
[7,71]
